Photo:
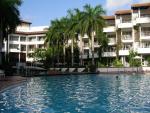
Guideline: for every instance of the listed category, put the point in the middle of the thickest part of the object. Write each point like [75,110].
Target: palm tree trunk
[81,52]
[72,52]
[92,44]
[64,52]
[1,40]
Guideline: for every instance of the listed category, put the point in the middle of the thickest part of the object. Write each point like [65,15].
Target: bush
[101,65]
[92,68]
[117,63]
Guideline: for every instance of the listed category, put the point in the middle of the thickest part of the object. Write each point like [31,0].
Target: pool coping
[12,83]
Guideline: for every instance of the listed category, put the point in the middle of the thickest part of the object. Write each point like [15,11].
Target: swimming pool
[79,94]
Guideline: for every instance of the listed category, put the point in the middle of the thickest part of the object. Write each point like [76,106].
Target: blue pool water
[79,94]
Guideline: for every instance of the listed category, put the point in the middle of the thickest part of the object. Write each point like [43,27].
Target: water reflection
[83,94]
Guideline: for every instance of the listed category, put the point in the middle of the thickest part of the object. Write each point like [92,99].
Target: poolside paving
[7,81]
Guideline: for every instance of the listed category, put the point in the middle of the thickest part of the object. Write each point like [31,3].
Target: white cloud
[114,4]
[142,1]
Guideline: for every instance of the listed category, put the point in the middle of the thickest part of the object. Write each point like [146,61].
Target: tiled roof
[23,21]
[121,12]
[109,17]
[140,5]
[30,33]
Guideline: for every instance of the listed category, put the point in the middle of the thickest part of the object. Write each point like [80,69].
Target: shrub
[117,63]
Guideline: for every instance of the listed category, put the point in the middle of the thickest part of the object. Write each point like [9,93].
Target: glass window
[14,38]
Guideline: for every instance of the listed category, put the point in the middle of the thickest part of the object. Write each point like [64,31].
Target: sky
[41,12]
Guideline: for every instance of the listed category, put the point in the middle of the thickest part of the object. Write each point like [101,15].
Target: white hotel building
[24,41]
[131,28]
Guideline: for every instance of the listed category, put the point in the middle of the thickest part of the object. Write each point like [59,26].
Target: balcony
[85,36]
[85,56]
[145,35]
[86,46]
[123,52]
[143,50]
[127,39]
[125,25]
[96,44]
[143,19]
[109,54]
[112,41]
[109,29]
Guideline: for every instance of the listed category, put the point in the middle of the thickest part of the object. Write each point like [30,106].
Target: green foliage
[132,61]
[148,59]
[101,65]
[117,63]
[39,54]
[87,21]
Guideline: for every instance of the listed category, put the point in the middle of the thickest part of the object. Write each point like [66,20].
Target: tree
[92,22]
[132,59]
[9,19]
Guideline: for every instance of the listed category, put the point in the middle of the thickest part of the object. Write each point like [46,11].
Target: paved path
[10,80]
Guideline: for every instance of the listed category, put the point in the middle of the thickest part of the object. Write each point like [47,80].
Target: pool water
[79,94]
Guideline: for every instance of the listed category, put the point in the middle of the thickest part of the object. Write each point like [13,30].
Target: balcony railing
[126,21]
[86,45]
[127,37]
[145,33]
[145,15]
[112,40]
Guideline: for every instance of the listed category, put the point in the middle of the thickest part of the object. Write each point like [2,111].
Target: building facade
[126,30]
[24,41]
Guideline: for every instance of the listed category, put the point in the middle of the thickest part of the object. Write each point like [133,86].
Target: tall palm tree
[57,36]
[9,19]
[74,29]
[92,22]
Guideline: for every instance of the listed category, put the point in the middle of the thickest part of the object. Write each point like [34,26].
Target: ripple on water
[82,94]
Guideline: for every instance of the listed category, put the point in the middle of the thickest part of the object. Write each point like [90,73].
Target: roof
[141,5]
[23,21]
[122,12]
[109,17]
[30,33]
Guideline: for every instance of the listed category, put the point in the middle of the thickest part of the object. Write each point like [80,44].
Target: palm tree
[74,29]
[57,37]
[92,22]
[9,19]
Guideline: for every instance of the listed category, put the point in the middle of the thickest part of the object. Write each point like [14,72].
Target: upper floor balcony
[96,44]
[125,24]
[109,29]
[144,18]
[145,35]
[127,38]
[143,50]
[86,56]
[123,52]
[109,54]
[112,41]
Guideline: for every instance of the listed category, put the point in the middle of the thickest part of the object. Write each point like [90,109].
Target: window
[22,38]
[14,38]
[127,46]
[32,39]
[145,31]
[126,19]
[127,35]
[41,46]
[23,47]
[86,52]
[14,46]
[41,38]
[110,22]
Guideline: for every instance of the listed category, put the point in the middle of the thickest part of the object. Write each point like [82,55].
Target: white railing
[86,45]
[126,37]
[145,33]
